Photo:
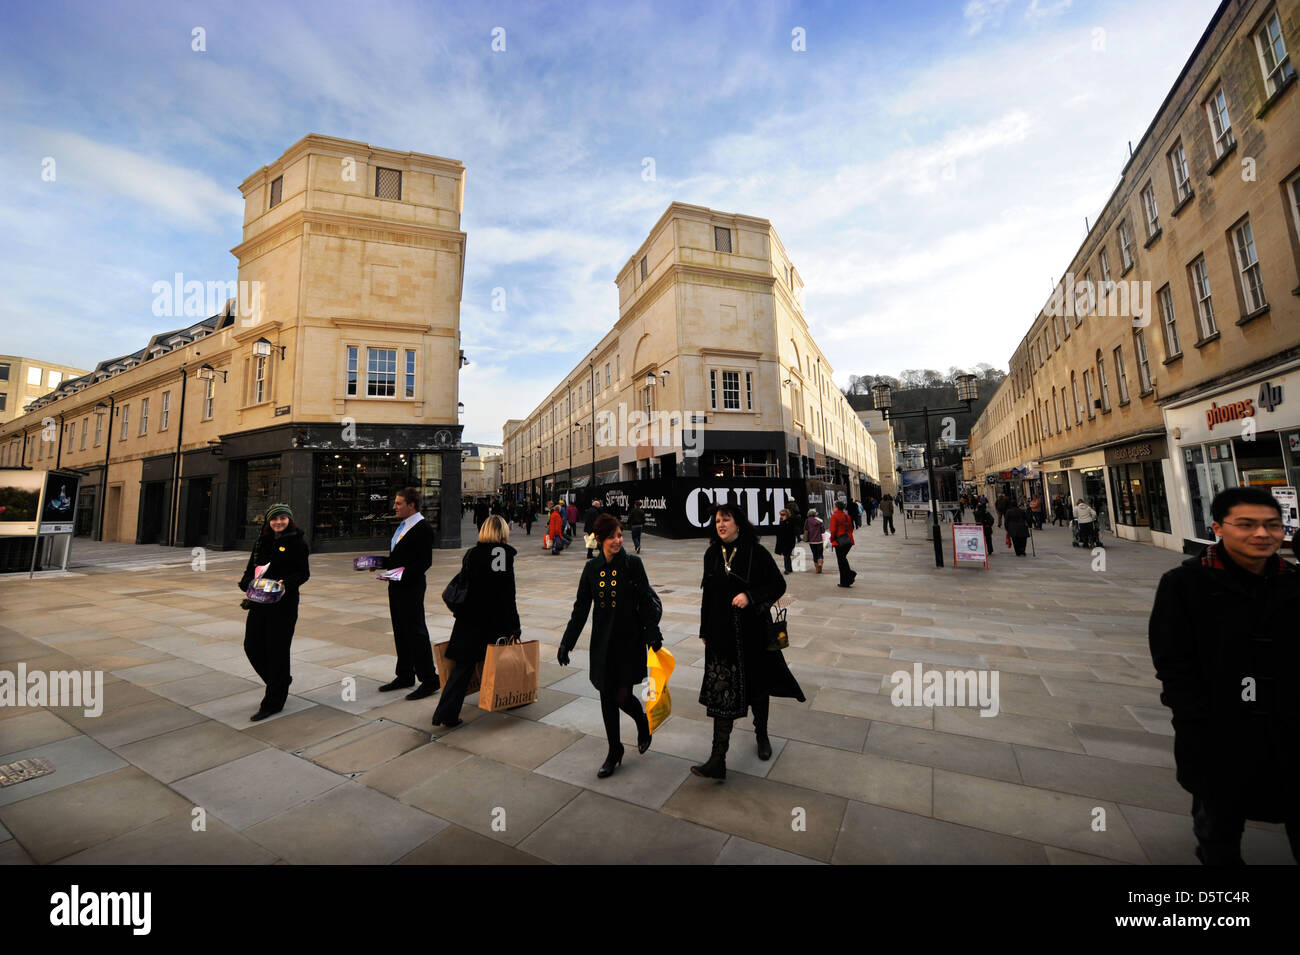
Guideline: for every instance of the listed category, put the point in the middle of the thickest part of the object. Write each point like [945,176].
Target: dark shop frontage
[339,482]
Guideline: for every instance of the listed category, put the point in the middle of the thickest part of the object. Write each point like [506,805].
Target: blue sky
[928,166]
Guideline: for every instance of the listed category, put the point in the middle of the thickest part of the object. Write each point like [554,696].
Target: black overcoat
[490,611]
[1016,521]
[785,534]
[1216,632]
[618,648]
[287,555]
[738,667]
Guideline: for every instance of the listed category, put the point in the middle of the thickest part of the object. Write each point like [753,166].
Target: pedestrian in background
[488,614]
[785,534]
[1017,524]
[842,541]
[268,630]
[813,529]
[555,528]
[1087,519]
[887,514]
[636,524]
[616,583]
[983,516]
[1000,505]
[739,586]
[1222,637]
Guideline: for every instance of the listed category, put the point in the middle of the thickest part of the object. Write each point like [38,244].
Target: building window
[85,427]
[126,413]
[388,183]
[352,370]
[1078,405]
[1178,168]
[1143,360]
[713,390]
[644,267]
[144,416]
[1121,375]
[166,414]
[1149,205]
[1087,393]
[1056,413]
[1125,246]
[731,391]
[4,400]
[1169,323]
[607,379]
[54,379]
[34,376]
[1101,379]
[209,398]
[1065,408]
[1216,108]
[277,191]
[1252,285]
[1273,57]
[259,380]
[721,239]
[749,391]
[71,432]
[1204,304]
[381,372]
[410,373]
[1292,194]
[4,371]
[99,429]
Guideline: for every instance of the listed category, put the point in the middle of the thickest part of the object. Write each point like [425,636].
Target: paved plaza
[853,778]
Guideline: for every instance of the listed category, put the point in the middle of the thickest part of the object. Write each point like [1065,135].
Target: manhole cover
[13,773]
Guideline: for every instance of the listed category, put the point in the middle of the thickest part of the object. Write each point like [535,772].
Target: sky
[928,166]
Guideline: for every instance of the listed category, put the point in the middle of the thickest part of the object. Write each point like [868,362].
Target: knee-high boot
[760,708]
[716,767]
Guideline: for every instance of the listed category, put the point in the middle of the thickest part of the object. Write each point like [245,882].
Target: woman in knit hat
[281,554]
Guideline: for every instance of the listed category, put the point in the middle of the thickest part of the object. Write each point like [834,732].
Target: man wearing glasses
[1225,645]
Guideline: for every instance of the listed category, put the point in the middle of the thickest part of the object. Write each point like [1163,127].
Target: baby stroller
[1085,536]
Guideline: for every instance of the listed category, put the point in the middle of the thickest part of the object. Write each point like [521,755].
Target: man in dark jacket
[589,522]
[412,550]
[1017,525]
[1222,636]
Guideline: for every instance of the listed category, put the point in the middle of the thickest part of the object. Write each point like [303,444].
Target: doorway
[198,512]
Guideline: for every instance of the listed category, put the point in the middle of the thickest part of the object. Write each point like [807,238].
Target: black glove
[657,643]
[563,656]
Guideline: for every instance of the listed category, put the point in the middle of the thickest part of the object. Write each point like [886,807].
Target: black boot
[760,730]
[716,767]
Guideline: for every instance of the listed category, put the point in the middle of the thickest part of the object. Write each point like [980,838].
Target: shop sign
[1066,463]
[282,410]
[1286,496]
[968,544]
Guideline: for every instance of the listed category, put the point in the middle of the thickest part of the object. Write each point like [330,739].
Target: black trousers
[268,633]
[847,573]
[887,524]
[788,566]
[1219,828]
[410,634]
[614,701]
[454,692]
[1020,545]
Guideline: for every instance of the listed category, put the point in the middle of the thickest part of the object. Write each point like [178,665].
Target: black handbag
[778,635]
[456,593]
[650,611]
[843,541]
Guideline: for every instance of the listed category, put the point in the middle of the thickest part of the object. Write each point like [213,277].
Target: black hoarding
[680,507]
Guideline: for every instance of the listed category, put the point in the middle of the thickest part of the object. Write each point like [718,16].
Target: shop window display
[354,492]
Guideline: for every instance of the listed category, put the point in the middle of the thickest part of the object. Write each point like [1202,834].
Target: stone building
[23,380]
[328,380]
[1183,299]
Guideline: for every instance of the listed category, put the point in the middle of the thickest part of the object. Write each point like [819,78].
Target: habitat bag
[509,674]
[659,665]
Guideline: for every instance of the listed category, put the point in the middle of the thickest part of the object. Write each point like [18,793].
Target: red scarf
[1212,559]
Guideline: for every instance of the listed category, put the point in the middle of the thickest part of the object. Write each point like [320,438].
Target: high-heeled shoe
[643,741]
[611,763]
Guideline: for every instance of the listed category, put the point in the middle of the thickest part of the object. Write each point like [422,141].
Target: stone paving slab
[458,846]
[74,759]
[190,750]
[172,840]
[875,835]
[256,787]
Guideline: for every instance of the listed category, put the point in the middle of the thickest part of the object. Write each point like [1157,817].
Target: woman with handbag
[268,631]
[842,541]
[741,671]
[813,530]
[487,612]
[624,623]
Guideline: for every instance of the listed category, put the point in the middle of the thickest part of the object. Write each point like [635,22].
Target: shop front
[1136,472]
[1247,435]
[1080,476]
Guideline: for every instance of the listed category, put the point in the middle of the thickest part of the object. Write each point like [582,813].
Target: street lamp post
[967,392]
[100,410]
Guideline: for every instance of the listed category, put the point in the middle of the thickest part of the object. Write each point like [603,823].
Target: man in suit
[411,549]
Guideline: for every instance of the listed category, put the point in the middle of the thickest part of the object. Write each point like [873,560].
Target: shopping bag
[509,675]
[444,665]
[658,702]
[546,542]
[590,541]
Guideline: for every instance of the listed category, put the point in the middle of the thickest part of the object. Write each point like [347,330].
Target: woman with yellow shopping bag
[624,623]
[741,670]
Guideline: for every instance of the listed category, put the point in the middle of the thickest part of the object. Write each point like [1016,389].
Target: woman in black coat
[785,535]
[740,584]
[625,622]
[1017,525]
[268,631]
[488,614]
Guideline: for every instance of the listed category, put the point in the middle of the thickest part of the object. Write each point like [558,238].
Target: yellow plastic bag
[658,702]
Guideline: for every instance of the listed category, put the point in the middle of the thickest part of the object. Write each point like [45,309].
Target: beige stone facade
[1187,284]
[23,380]
[481,474]
[349,283]
[710,304]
